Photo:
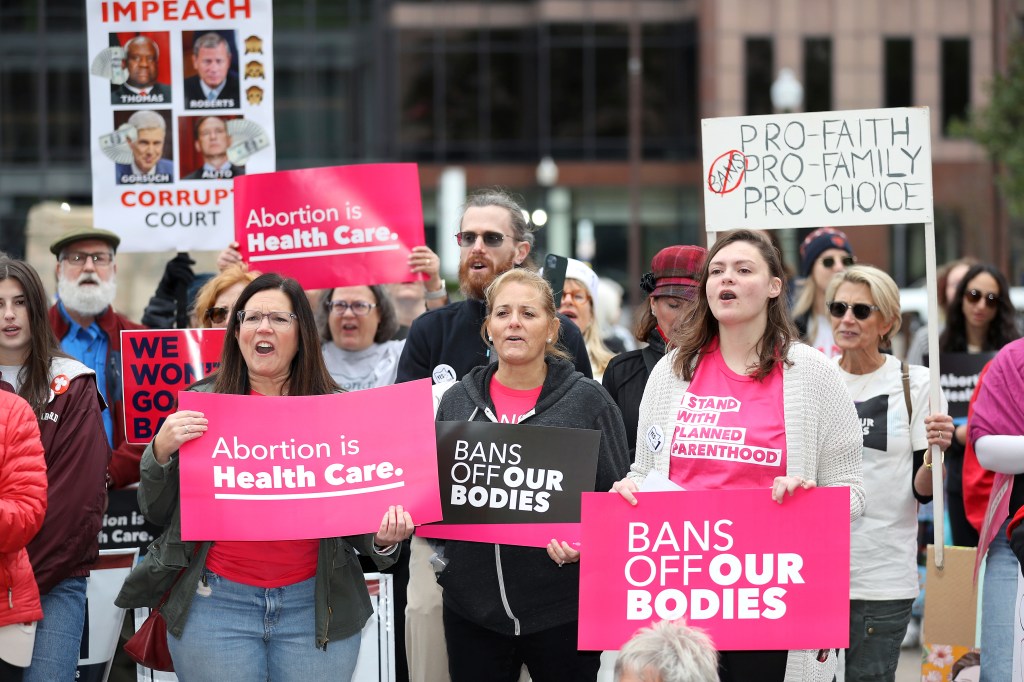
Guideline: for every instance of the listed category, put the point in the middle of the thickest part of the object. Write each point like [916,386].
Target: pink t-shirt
[510,404]
[730,429]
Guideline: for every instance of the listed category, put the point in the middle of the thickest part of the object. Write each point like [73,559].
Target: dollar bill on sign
[116,145]
[247,138]
[109,64]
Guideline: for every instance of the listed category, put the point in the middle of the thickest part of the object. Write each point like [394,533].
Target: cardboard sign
[513,484]
[155,365]
[751,572]
[958,376]
[170,133]
[289,468]
[866,167]
[331,227]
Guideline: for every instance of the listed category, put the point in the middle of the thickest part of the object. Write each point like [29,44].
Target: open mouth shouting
[264,348]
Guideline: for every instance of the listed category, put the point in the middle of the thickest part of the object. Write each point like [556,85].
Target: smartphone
[554,273]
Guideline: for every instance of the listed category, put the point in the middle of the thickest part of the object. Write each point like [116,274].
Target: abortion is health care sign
[331,227]
[751,572]
[297,467]
[155,365]
[866,167]
[181,103]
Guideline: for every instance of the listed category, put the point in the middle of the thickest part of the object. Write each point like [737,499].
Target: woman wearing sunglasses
[898,431]
[823,253]
[217,297]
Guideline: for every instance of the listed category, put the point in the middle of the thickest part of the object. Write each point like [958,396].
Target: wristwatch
[439,293]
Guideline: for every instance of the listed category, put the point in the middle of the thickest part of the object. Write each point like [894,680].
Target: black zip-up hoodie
[520,590]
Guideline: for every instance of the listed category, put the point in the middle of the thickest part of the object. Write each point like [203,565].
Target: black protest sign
[958,376]
[123,524]
[513,473]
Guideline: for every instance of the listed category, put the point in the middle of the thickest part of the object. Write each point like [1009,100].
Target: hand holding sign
[396,526]
[561,553]
[626,487]
[789,484]
[178,429]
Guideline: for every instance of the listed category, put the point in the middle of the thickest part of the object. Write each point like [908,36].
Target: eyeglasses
[491,239]
[577,297]
[359,308]
[254,318]
[861,311]
[973,296]
[830,261]
[76,259]
[217,315]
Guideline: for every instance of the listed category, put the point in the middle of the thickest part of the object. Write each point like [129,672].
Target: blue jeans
[59,633]
[876,632]
[241,632]
[998,608]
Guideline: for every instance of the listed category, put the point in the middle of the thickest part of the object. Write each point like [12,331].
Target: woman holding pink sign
[738,361]
[275,610]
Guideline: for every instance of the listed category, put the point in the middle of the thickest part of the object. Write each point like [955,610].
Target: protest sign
[863,167]
[124,526]
[958,376]
[331,227]
[331,467]
[511,483]
[181,99]
[753,573]
[155,365]
[103,619]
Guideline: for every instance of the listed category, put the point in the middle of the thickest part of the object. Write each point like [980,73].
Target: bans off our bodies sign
[289,468]
[754,574]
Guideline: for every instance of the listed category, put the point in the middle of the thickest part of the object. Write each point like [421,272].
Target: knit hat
[82,234]
[580,271]
[817,243]
[675,271]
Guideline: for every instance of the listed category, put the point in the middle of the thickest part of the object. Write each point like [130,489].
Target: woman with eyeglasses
[899,429]
[274,610]
[216,298]
[67,405]
[738,342]
[823,253]
[356,332]
[578,294]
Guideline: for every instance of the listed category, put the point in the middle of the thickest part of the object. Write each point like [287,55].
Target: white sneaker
[912,639]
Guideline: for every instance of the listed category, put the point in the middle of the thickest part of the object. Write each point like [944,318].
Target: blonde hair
[599,353]
[215,286]
[884,293]
[541,286]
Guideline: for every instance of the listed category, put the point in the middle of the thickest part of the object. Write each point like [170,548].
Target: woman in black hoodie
[504,605]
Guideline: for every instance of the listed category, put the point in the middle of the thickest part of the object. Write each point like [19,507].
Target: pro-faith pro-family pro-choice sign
[863,167]
[289,468]
[751,572]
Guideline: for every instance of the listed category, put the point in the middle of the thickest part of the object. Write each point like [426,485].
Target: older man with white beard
[89,330]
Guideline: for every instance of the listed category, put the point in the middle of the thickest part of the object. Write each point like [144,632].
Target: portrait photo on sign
[142,147]
[143,74]
[204,142]
[210,66]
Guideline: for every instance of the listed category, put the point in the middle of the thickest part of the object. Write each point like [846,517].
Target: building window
[818,74]
[759,59]
[956,81]
[899,72]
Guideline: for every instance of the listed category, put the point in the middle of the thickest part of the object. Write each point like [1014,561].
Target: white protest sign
[181,101]
[865,167]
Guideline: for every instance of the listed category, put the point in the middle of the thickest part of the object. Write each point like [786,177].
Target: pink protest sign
[753,573]
[298,467]
[329,227]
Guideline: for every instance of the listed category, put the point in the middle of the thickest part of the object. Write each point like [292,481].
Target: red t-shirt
[274,563]
[730,429]
[510,404]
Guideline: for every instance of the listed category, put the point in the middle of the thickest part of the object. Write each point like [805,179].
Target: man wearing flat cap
[89,330]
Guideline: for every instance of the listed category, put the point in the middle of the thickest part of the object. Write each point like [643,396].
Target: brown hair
[531,279]
[699,328]
[43,344]
[387,326]
[215,286]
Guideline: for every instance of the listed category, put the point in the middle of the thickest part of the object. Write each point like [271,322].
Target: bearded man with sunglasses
[445,344]
[89,330]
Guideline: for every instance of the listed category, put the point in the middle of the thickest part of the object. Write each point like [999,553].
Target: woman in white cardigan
[791,401]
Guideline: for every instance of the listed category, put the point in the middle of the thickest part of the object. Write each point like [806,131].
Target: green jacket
[342,602]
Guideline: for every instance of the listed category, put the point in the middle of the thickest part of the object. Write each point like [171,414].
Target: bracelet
[927,460]
[438,293]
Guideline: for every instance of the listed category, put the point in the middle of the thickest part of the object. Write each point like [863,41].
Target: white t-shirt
[883,542]
[823,339]
[371,367]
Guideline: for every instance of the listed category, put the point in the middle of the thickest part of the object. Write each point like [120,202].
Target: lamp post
[556,208]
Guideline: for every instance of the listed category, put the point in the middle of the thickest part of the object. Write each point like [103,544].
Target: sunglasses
[861,311]
[973,296]
[468,239]
[830,261]
[217,315]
